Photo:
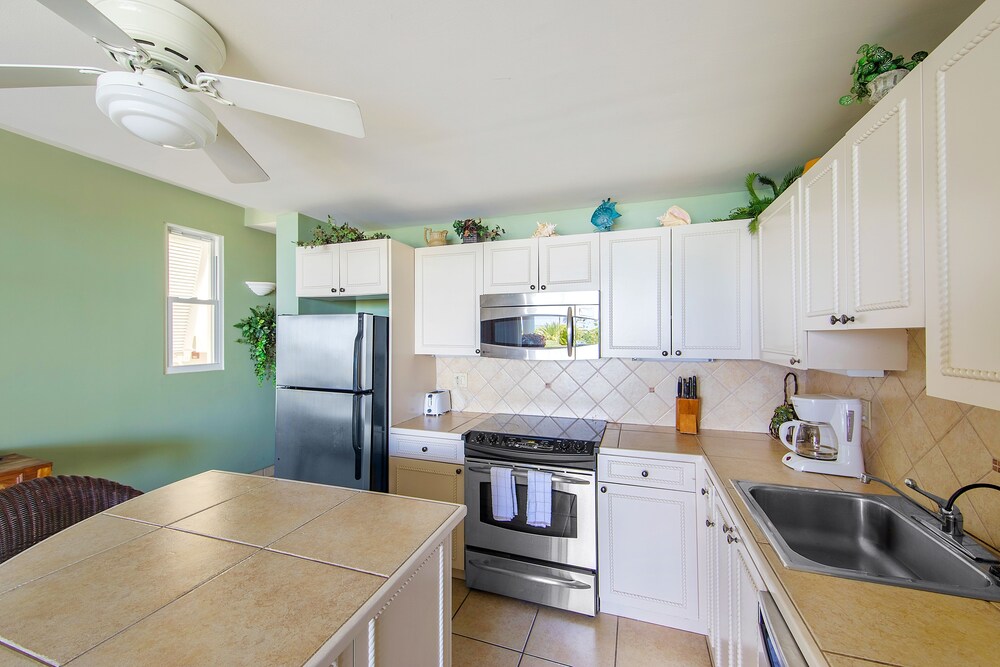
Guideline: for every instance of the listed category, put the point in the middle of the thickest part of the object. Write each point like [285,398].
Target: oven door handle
[561,479]
[552,581]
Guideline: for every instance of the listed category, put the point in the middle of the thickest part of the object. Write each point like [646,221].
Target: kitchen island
[223,568]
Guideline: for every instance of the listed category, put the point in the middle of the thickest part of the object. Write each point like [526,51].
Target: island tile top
[217,568]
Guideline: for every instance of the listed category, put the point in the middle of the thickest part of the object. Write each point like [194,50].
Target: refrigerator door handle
[358,339]
[358,435]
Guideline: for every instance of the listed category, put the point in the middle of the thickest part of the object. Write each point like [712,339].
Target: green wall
[83,325]
[577,221]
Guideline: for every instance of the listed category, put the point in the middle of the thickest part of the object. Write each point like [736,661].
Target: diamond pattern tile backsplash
[735,395]
[941,444]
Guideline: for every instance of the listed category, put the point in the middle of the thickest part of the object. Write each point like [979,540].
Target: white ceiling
[483,108]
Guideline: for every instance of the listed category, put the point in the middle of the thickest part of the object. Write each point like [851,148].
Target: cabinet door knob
[477,350]
[844,319]
[665,353]
[604,489]
[833,319]
[645,473]
[677,352]
[704,492]
[458,471]
[532,287]
[543,287]
[342,289]
[423,449]
[731,539]
[709,523]
[727,529]
[794,361]
[333,289]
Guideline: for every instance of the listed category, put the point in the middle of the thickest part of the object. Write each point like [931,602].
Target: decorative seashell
[674,216]
[605,215]
[544,229]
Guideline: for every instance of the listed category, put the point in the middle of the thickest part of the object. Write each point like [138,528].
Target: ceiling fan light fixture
[154,108]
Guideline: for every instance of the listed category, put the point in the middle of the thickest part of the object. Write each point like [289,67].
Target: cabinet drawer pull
[645,473]
[833,319]
[423,449]
[844,319]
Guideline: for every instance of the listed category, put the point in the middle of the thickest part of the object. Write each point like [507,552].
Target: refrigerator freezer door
[325,351]
[324,437]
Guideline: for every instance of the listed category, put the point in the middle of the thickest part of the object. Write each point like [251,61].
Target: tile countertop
[851,622]
[214,569]
[454,424]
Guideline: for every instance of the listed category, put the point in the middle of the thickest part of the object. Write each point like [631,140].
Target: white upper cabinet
[884,218]
[635,293]
[317,271]
[712,291]
[448,283]
[510,266]
[569,263]
[364,267]
[557,263]
[961,93]
[343,269]
[782,338]
[823,240]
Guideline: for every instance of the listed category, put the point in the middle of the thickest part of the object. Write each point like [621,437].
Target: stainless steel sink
[865,537]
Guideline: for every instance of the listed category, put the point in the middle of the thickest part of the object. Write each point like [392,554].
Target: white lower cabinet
[733,585]
[648,565]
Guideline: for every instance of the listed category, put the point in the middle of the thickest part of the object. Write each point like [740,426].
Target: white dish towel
[504,496]
[539,498]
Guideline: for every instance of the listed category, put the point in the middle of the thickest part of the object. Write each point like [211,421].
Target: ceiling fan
[169,54]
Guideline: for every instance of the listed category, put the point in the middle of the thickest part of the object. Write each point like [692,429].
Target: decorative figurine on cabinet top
[544,229]
[605,215]
[674,216]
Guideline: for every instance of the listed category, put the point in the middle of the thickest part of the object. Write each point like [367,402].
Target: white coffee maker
[827,436]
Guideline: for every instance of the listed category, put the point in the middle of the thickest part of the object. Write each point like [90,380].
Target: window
[194,300]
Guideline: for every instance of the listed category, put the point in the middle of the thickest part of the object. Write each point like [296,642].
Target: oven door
[560,333]
[569,540]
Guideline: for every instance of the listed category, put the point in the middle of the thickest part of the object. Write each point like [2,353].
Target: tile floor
[495,631]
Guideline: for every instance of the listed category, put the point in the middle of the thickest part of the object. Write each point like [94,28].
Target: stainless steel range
[554,563]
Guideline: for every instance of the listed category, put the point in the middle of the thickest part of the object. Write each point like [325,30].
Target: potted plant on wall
[258,331]
[473,231]
[876,72]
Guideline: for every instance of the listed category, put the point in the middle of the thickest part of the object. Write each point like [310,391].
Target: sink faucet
[949,516]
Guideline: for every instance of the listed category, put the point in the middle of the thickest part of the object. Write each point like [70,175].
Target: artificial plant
[875,60]
[334,233]
[758,203]
[477,227]
[257,330]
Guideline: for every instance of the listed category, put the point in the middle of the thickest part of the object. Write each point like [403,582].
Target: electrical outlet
[866,413]
[461,380]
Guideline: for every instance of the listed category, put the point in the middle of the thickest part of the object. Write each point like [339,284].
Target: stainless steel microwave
[557,326]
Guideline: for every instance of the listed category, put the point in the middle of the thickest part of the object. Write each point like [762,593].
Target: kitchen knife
[694,386]
[679,383]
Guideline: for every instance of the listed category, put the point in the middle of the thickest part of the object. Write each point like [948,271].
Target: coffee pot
[827,436]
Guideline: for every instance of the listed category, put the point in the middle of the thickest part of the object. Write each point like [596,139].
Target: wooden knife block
[687,415]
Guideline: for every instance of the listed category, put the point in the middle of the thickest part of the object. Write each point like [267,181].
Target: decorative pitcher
[433,238]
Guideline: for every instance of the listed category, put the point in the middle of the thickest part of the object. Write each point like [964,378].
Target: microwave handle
[570,332]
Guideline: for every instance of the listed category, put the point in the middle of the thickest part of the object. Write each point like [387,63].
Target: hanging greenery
[343,233]
[758,203]
[257,330]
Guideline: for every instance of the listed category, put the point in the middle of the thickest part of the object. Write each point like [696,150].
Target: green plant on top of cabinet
[961,92]
[344,269]
[448,281]
[554,263]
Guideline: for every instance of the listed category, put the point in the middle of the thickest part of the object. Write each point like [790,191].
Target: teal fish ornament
[605,215]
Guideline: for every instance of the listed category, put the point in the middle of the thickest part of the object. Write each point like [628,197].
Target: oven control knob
[577,446]
[494,439]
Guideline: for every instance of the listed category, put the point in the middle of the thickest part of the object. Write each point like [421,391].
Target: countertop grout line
[170,602]
[17,648]
[858,657]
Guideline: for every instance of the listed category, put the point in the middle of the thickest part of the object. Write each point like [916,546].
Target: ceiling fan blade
[92,22]
[233,160]
[41,76]
[324,111]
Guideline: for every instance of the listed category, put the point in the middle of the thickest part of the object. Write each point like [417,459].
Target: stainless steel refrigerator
[332,400]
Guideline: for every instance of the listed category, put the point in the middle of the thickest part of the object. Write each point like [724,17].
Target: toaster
[437,402]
